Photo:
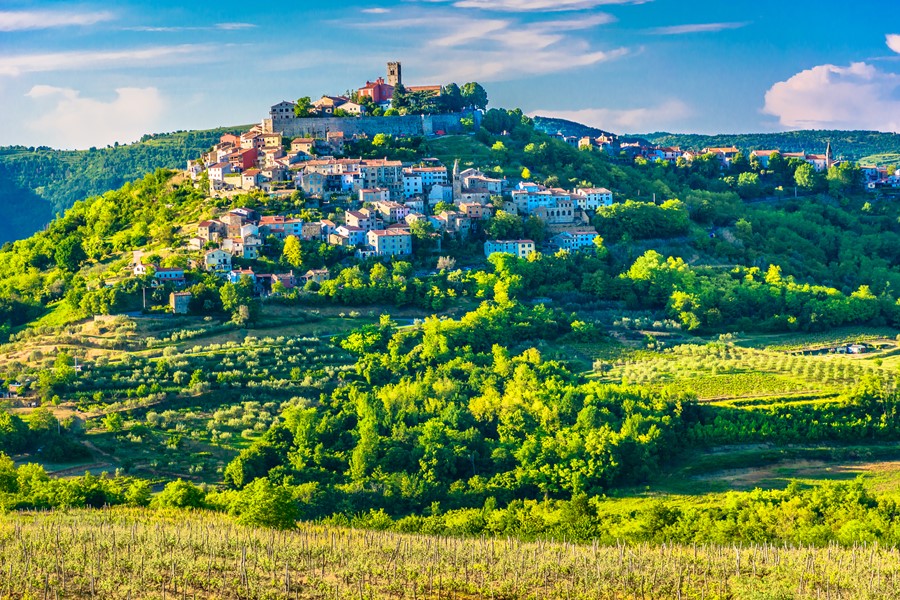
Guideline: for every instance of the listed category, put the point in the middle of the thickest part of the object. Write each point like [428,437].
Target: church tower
[394,74]
[829,158]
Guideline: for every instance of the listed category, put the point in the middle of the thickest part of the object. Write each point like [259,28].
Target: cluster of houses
[259,160]
[876,178]
[389,197]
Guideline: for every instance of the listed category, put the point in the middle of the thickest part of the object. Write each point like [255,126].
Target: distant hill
[36,183]
[851,145]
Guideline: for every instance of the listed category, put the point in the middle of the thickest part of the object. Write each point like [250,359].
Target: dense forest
[36,183]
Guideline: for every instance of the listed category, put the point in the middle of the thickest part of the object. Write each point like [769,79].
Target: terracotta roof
[731,150]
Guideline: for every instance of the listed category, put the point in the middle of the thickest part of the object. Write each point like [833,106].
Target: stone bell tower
[394,74]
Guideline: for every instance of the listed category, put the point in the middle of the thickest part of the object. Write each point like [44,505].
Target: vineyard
[725,372]
[124,554]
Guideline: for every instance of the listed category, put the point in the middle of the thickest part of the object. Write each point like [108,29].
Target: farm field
[737,375]
[121,553]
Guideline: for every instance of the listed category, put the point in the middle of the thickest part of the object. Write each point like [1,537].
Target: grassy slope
[882,160]
[118,554]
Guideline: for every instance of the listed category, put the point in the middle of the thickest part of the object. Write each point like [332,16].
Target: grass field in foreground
[119,554]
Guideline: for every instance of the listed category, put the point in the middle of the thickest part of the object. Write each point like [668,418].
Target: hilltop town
[390,208]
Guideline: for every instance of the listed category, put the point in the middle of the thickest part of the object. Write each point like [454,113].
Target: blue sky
[73,75]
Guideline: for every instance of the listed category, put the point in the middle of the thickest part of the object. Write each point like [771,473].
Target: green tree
[843,178]
[505,226]
[400,98]
[69,254]
[138,493]
[452,98]
[113,422]
[180,494]
[748,185]
[303,107]
[292,253]
[474,95]
[806,177]
[230,296]
[264,504]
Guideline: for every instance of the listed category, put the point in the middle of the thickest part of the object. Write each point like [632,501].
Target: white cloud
[234,26]
[76,122]
[540,5]
[465,48]
[893,42]
[697,28]
[662,117]
[859,96]
[58,61]
[46,19]
[376,11]
[175,29]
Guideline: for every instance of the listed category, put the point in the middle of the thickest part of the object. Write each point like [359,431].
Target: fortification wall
[350,126]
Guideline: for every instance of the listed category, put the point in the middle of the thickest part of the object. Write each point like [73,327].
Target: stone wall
[350,126]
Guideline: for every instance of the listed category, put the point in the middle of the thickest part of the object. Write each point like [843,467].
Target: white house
[218,171]
[217,260]
[590,199]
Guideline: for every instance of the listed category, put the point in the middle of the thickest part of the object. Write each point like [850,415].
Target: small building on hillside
[390,242]
[217,260]
[520,248]
[174,275]
[180,302]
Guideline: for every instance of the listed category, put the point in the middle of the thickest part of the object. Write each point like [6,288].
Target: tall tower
[829,158]
[394,74]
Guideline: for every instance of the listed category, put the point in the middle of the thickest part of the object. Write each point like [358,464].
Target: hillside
[717,336]
[36,183]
